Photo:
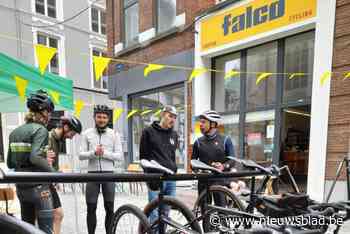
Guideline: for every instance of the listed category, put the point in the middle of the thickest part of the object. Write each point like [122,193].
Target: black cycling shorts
[55,198]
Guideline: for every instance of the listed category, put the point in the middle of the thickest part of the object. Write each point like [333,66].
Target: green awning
[51,83]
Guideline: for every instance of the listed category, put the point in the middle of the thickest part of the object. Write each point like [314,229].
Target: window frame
[278,106]
[123,21]
[156,18]
[46,9]
[100,11]
[47,43]
[101,52]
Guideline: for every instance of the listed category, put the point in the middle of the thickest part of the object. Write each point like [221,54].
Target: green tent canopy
[51,83]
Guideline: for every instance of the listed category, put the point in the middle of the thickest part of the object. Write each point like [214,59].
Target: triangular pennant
[79,104]
[293,75]
[262,77]
[55,96]
[100,64]
[21,85]
[231,74]
[157,112]
[145,112]
[117,113]
[195,73]
[325,77]
[44,55]
[131,113]
[152,67]
[347,76]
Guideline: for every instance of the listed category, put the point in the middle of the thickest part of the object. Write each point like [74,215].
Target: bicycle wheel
[178,213]
[231,201]
[12,225]
[129,219]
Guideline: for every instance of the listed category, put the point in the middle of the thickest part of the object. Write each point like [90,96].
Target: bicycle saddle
[198,165]
[273,169]
[155,167]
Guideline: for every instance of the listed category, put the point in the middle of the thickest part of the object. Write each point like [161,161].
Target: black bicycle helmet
[73,123]
[102,109]
[40,101]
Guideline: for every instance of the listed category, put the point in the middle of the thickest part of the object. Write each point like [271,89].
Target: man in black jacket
[159,142]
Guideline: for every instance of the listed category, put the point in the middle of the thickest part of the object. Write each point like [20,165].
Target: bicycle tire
[175,204]
[219,189]
[12,225]
[143,227]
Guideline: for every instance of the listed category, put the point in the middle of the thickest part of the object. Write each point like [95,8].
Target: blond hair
[31,117]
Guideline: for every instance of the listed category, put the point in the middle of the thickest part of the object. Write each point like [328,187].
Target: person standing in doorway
[101,146]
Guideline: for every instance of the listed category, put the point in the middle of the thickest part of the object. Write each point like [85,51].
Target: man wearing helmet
[159,142]
[67,128]
[213,149]
[101,146]
[27,153]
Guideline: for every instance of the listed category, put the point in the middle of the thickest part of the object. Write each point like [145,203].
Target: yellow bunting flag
[100,64]
[262,77]
[296,74]
[347,76]
[21,85]
[79,104]
[44,55]
[55,96]
[157,112]
[117,113]
[325,77]
[152,67]
[231,74]
[145,112]
[131,113]
[196,72]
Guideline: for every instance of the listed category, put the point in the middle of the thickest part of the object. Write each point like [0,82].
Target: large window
[253,113]
[102,83]
[98,20]
[46,7]
[131,22]
[154,101]
[299,56]
[50,42]
[261,59]
[166,15]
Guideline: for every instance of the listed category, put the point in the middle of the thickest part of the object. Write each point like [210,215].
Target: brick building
[297,122]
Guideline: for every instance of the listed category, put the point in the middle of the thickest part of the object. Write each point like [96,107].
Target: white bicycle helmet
[211,115]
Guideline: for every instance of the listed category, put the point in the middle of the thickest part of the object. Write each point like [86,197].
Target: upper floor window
[102,83]
[131,21]
[50,42]
[98,20]
[46,7]
[166,15]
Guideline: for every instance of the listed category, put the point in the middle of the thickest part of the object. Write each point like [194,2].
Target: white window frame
[60,49]
[99,22]
[59,10]
[92,75]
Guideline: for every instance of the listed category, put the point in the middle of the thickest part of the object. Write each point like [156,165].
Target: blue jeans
[169,189]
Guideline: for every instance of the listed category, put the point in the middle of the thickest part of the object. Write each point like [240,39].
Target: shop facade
[284,118]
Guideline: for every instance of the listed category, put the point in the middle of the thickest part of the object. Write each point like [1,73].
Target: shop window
[261,59]
[155,101]
[230,127]
[259,134]
[229,87]
[131,22]
[299,57]
[166,15]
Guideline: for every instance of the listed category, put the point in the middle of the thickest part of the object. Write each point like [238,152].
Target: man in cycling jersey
[159,142]
[67,128]
[101,146]
[27,153]
[213,149]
